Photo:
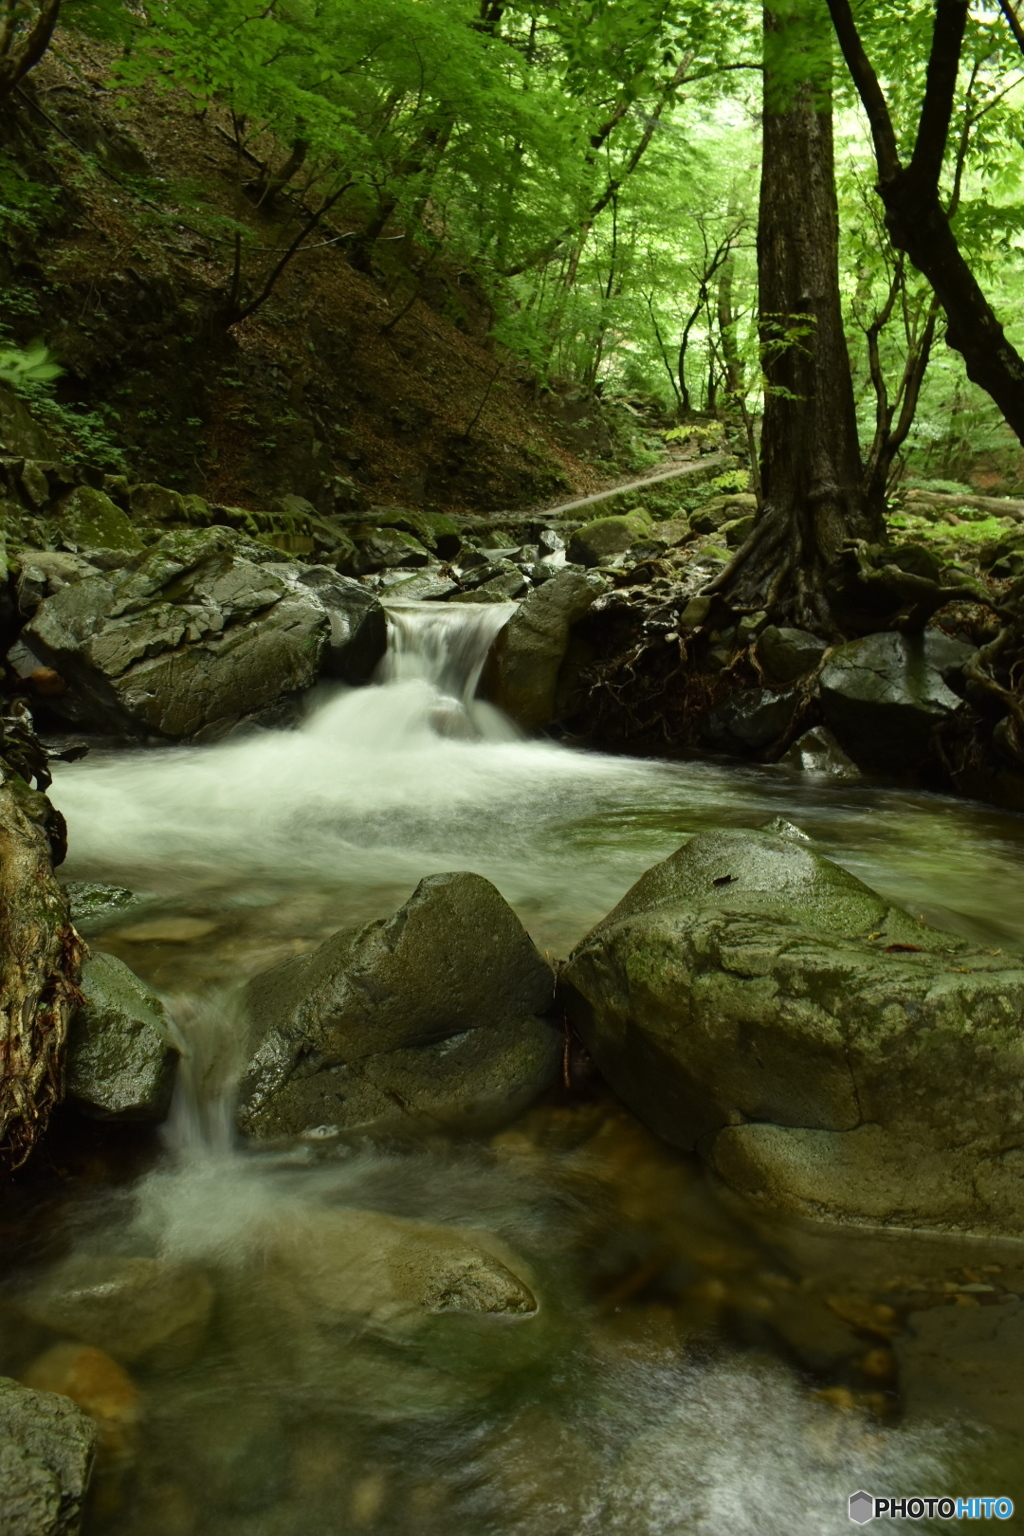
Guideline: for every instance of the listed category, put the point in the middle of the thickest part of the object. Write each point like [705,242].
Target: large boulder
[786,654]
[88,519]
[750,720]
[430,1018]
[198,631]
[885,695]
[121,1057]
[606,537]
[358,635]
[752,1000]
[521,674]
[47,1445]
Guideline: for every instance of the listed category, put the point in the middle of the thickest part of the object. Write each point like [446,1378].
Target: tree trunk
[917,222]
[40,965]
[810,458]
[24,39]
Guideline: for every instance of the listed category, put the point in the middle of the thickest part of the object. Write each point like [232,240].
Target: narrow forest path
[711,461]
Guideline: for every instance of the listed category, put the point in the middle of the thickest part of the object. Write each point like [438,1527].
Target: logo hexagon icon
[862,1507]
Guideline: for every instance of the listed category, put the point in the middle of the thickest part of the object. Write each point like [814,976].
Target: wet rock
[43,572]
[423,586]
[434,530]
[134,1309]
[606,537]
[507,582]
[121,1058]
[377,548]
[47,1446]
[97,1384]
[196,631]
[714,514]
[747,979]
[786,654]
[88,519]
[817,751]
[358,627]
[521,674]
[885,695]
[430,1019]
[750,720]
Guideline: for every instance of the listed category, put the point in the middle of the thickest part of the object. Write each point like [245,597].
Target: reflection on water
[615,1352]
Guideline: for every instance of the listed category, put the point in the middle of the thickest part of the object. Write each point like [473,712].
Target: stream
[690,1372]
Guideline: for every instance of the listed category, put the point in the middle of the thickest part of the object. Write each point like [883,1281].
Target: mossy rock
[753,1001]
[606,537]
[88,519]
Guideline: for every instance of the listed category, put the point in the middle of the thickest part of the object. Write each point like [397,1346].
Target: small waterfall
[445,645]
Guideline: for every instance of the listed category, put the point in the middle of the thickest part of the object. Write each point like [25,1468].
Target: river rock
[750,720]
[134,1309]
[380,548]
[41,573]
[714,514]
[429,1018]
[47,1446]
[121,1057]
[752,1000]
[521,673]
[434,530]
[606,537]
[358,625]
[197,631]
[88,519]
[399,1316]
[100,1387]
[786,654]
[817,751]
[885,695]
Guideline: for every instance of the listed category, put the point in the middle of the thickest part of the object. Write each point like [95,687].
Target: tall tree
[25,32]
[915,215]
[811,472]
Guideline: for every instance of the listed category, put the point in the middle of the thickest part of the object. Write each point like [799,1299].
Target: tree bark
[40,965]
[810,459]
[22,45]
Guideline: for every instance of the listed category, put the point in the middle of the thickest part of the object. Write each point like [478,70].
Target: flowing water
[685,1374]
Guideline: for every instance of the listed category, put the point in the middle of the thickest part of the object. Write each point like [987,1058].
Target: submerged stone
[396,1317]
[135,1309]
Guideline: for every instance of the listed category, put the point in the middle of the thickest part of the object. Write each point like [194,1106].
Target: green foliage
[30,368]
